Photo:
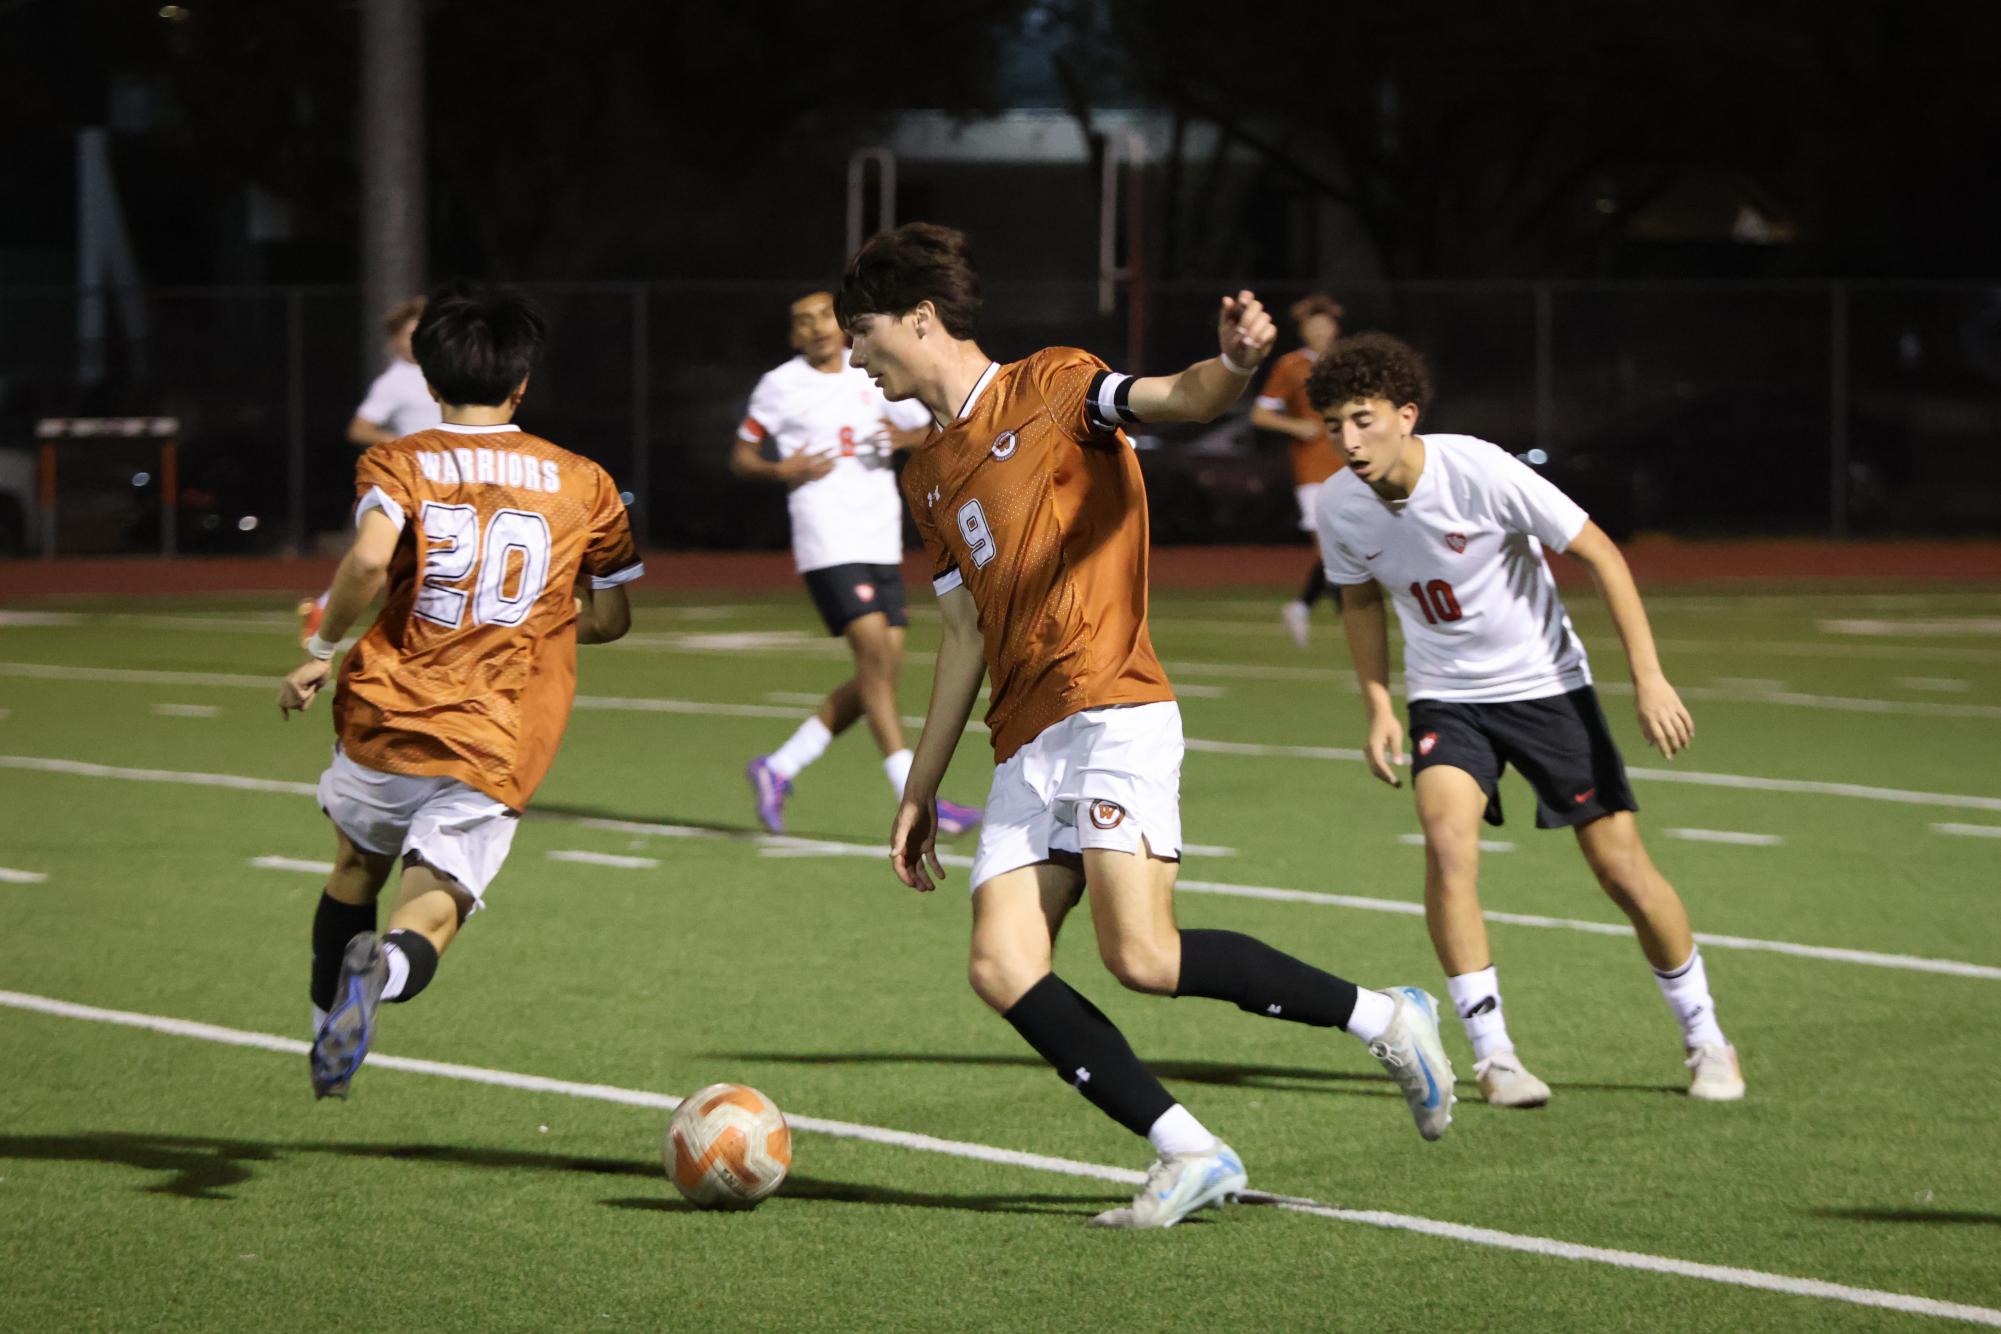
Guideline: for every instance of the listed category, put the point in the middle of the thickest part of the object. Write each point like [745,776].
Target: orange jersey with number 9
[1033,501]
[469,670]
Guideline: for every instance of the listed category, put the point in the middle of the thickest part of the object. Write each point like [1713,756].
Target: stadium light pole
[393,225]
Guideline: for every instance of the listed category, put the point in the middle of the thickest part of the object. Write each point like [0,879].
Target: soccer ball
[727,1147]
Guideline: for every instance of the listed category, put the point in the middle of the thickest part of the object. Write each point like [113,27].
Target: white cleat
[1179,1184]
[1411,1051]
[1717,1077]
[1504,1083]
[1298,618]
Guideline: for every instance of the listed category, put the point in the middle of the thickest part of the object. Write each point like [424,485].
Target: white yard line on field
[1486,844]
[1968,830]
[1548,1247]
[1725,836]
[781,845]
[1941,685]
[603,859]
[292,864]
[1915,628]
[10,876]
[186,710]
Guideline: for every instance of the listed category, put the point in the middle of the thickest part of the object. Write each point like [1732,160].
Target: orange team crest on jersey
[1107,814]
[1005,444]
[1457,541]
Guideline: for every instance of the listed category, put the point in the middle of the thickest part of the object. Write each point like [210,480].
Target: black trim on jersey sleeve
[1107,402]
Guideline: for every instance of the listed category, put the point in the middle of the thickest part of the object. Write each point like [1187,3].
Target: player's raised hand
[1245,330]
[1664,719]
[303,682]
[1385,749]
[913,845]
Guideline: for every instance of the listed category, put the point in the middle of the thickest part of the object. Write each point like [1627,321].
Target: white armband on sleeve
[946,582]
[1105,402]
[617,577]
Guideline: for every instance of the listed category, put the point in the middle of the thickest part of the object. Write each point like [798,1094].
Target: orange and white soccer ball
[727,1147]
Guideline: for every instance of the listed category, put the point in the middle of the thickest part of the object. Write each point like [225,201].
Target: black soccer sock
[334,924]
[1226,965]
[1088,1050]
[1316,584]
[422,956]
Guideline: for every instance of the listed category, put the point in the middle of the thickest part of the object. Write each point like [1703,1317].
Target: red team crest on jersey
[1427,743]
[1457,541]
[1107,814]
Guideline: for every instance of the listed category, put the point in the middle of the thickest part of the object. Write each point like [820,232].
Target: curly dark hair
[1370,365]
[919,261]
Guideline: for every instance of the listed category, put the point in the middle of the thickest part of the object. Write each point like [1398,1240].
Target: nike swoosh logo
[1584,796]
[1372,555]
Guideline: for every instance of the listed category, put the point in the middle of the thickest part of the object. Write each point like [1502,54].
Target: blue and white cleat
[343,1040]
[1411,1051]
[1179,1184]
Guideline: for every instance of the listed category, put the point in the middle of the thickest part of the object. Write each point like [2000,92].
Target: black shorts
[846,593]
[1560,744]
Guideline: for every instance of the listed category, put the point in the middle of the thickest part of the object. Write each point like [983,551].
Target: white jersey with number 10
[1462,560]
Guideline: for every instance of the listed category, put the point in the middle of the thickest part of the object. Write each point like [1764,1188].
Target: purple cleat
[771,793]
[956,819]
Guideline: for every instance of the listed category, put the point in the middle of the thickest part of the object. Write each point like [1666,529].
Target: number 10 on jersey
[515,542]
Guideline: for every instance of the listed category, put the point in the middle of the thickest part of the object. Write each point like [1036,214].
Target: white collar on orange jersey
[459,428]
[979,387]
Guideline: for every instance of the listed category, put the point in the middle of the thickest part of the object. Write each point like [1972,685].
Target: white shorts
[1308,495]
[1103,778]
[453,829]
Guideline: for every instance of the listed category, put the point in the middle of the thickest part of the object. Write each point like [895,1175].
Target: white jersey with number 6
[853,514]
[1462,559]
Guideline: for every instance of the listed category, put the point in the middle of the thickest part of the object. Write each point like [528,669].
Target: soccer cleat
[956,819]
[1411,1051]
[1179,1184]
[771,793]
[1298,618]
[1504,1083]
[310,615]
[1717,1077]
[343,1040]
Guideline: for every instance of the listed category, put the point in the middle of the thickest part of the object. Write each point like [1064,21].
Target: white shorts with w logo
[1104,778]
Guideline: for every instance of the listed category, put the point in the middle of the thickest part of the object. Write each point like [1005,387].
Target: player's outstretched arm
[1664,720]
[1299,428]
[1203,392]
[955,685]
[362,433]
[1367,628]
[355,585]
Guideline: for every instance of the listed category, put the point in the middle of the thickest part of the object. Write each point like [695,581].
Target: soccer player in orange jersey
[1282,406]
[483,540]
[1033,514]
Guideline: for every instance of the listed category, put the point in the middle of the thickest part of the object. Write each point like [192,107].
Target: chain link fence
[1699,409]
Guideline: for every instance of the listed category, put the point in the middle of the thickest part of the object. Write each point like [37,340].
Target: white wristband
[320,648]
[1242,372]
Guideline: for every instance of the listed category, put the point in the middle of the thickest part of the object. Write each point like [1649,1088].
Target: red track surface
[1656,561]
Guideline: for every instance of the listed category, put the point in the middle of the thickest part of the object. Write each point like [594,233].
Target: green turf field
[165,1181]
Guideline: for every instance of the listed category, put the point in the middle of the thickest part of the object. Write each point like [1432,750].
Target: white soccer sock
[807,744]
[1477,998]
[1177,1131]
[1687,991]
[399,970]
[1373,1012]
[897,766]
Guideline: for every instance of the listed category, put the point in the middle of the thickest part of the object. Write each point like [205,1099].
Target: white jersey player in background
[823,429]
[1454,528]
[399,403]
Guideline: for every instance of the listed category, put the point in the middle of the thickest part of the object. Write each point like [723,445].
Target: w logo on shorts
[1107,814]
